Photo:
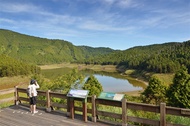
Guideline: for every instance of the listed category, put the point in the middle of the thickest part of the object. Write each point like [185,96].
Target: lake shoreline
[105,68]
[132,93]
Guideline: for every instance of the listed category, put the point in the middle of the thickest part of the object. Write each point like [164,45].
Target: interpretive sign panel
[111,96]
[78,93]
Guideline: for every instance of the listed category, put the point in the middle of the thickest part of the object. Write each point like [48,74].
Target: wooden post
[72,111]
[84,104]
[16,96]
[162,114]
[68,107]
[124,112]
[48,102]
[94,108]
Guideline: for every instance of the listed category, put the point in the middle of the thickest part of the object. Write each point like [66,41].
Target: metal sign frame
[75,93]
[111,96]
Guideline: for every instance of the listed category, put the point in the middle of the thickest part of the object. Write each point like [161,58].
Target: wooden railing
[162,110]
[5,92]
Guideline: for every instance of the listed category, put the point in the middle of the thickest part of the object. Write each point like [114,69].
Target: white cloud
[164,18]
[109,1]
[5,20]
[127,18]
[18,7]
[122,3]
[92,25]
[126,3]
[179,18]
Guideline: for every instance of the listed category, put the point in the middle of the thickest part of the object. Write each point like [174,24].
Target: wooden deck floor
[20,116]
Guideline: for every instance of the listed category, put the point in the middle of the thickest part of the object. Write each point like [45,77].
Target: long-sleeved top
[32,89]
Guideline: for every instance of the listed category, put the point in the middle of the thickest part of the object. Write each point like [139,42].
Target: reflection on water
[111,82]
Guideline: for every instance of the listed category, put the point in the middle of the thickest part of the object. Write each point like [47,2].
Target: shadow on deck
[21,116]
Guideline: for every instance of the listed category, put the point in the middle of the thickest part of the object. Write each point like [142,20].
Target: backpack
[28,92]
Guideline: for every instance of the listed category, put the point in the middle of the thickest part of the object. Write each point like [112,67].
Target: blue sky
[117,24]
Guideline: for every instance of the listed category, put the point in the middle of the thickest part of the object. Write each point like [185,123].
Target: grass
[165,78]
[129,72]
[140,75]
[149,115]
[7,96]
[10,82]
[142,114]
[107,68]
[6,103]
[135,75]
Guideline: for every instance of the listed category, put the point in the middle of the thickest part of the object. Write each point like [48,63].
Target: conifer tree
[94,87]
[178,93]
[155,92]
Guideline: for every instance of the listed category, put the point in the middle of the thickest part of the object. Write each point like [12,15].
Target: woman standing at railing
[33,95]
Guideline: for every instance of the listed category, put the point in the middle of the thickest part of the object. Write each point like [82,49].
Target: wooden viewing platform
[67,115]
[20,116]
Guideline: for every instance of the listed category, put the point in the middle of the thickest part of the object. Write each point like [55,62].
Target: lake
[111,82]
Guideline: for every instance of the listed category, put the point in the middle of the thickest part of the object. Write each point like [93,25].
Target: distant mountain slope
[44,51]
[161,58]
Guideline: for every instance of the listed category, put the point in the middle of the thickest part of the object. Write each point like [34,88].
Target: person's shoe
[35,112]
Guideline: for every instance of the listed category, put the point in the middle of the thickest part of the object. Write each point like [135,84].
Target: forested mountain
[160,58]
[44,51]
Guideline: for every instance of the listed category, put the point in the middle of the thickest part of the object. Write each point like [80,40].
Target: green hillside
[157,58]
[44,51]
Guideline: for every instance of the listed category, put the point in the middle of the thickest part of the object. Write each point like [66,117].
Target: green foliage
[178,120]
[136,99]
[155,92]
[44,51]
[43,83]
[94,87]
[12,67]
[64,83]
[179,92]
[142,114]
[159,58]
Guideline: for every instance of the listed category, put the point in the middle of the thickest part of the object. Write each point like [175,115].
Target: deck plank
[21,116]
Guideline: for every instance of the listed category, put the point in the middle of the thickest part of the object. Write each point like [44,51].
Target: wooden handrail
[7,91]
[163,110]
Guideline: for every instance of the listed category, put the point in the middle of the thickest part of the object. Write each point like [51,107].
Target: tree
[13,67]
[155,92]
[65,82]
[94,87]
[178,93]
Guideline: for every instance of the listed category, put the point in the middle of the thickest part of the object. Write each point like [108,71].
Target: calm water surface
[111,82]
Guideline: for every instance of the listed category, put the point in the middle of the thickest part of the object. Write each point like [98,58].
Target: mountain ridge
[24,47]
[159,58]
